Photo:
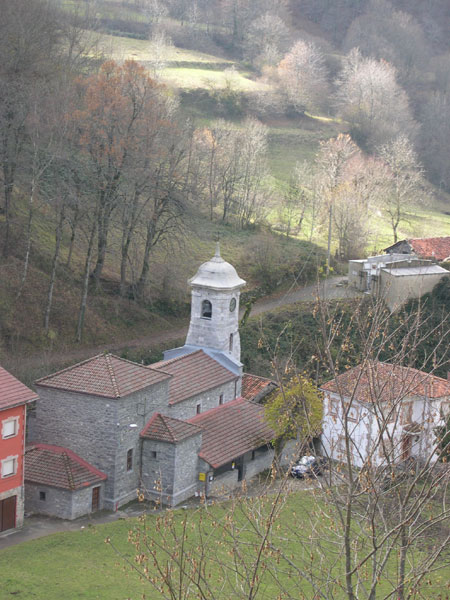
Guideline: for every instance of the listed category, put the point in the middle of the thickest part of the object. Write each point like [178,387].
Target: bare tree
[372,101]
[404,185]
[303,76]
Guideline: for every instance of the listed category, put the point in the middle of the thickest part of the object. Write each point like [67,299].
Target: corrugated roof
[231,430]
[104,375]
[384,381]
[409,271]
[59,467]
[13,392]
[255,387]
[193,374]
[166,429]
[437,248]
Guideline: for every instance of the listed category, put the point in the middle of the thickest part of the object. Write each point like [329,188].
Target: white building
[388,411]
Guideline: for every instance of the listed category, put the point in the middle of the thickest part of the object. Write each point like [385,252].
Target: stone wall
[19,493]
[224,483]
[100,430]
[186,481]
[64,504]
[207,400]
[262,461]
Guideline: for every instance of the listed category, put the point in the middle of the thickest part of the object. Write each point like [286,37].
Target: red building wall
[13,446]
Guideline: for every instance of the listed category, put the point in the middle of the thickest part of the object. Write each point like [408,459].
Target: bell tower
[215,307]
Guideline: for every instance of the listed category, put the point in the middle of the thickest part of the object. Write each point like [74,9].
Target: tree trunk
[102,243]
[73,227]
[29,240]
[58,236]
[143,278]
[330,225]
[84,295]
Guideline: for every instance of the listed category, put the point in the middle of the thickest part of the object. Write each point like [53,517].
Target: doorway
[8,513]
[406,447]
[95,498]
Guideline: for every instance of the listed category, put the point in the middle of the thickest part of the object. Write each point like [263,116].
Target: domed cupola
[215,307]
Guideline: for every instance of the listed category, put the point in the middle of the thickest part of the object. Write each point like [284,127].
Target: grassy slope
[80,564]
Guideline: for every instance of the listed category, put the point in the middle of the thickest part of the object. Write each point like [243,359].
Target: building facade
[14,396]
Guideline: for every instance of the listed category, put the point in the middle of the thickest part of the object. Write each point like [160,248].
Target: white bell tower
[215,307]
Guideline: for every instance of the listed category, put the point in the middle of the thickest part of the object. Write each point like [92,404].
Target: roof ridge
[67,467]
[112,375]
[167,426]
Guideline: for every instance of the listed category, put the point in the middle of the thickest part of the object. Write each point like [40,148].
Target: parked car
[308,466]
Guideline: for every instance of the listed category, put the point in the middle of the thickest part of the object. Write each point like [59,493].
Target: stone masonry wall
[98,429]
[186,481]
[60,503]
[207,400]
[158,471]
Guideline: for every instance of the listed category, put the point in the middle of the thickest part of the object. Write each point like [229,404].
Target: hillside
[214,86]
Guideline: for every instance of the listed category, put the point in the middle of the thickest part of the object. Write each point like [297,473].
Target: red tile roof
[59,467]
[13,392]
[167,429]
[104,375]
[385,381]
[231,430]
[193,374]
[438,248]
[255,387]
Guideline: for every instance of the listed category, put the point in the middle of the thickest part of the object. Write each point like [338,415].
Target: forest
[133,134]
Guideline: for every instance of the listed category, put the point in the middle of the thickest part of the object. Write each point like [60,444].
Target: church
[192,424]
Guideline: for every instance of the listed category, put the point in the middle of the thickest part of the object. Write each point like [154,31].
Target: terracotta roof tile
[437,248]
[387,382]
[231,430]
[193,374]
[255,387]
[59,467]
[104,375]
[167,429]
[13,392]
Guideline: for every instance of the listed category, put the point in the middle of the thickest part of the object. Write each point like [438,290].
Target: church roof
[104,375]
[193,374]
[13,392]
[231,430]
[59,467]
[217,274]
[166,429]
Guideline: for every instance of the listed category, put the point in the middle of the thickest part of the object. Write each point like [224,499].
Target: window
[333,406]
[206,309]
[352,412]
[9,466]
[220,399]
[153,454]
[199,408]
[253,454]
[42,496]
[9,428]
[130,460]
[230,349]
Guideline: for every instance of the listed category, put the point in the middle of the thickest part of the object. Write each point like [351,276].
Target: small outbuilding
[61,484]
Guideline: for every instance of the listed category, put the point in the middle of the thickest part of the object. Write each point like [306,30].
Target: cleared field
[121,48]
[80,565]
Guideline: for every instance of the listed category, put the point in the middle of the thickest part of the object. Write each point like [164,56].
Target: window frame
[129,460]
[14,460]
[5,422]
[333,406]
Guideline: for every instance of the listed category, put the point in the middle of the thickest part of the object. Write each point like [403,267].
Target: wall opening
[230,344]
[206,309]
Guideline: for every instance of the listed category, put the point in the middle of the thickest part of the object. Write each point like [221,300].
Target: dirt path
[330,289]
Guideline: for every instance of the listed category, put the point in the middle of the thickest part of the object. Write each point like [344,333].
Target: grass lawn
[80,564]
